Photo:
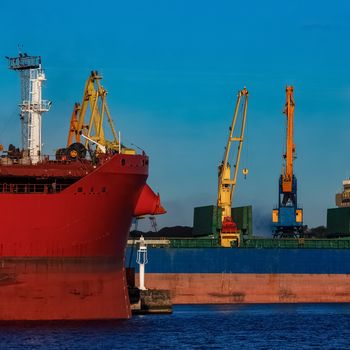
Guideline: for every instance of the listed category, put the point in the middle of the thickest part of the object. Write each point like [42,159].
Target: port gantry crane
[287,219]
[229,232]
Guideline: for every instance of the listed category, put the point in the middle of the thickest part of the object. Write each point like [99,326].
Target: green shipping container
[206,220]
[338,220]
[243,217]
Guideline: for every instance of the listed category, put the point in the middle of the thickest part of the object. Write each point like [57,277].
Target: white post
[142,277]
[142,260]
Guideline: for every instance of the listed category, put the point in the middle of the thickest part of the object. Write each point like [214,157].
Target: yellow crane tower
[226,183]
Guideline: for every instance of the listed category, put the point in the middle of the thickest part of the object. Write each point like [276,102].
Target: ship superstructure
[342,199]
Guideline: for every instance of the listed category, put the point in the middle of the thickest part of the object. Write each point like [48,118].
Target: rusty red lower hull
[229,288]
[63,289]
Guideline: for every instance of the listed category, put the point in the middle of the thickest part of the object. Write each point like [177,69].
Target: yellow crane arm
[226,184]
[287,176]
[94,99]
[73,128]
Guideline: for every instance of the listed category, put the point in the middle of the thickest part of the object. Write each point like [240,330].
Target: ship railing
[194,243]
[19,160]
[42,106]
[294,243]
[14,160]
[150,242]
[47,188]
[24,62]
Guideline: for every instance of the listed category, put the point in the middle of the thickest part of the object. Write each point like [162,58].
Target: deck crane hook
[245,172]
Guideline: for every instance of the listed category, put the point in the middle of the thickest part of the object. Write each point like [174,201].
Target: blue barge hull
[231,275]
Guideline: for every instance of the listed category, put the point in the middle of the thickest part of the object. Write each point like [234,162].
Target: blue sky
[172,69]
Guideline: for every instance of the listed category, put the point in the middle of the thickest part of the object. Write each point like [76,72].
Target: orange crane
[287,219]
[226,184]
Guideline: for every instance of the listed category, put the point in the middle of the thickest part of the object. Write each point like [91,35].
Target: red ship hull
[62,254]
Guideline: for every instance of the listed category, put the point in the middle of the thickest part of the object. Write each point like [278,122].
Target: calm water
[302,326]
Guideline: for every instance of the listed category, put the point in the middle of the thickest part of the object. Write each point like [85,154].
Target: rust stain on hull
[7,279]
[252,288]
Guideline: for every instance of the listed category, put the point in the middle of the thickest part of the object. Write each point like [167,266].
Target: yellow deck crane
[227,183]
[94,99]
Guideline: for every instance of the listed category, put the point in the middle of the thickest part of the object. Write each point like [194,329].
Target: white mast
[32,106]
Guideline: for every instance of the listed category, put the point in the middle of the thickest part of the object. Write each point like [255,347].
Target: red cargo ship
[65,222]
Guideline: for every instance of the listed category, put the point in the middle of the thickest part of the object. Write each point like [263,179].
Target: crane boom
[91,131]
[95,98]
[226,183]
[289,156]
